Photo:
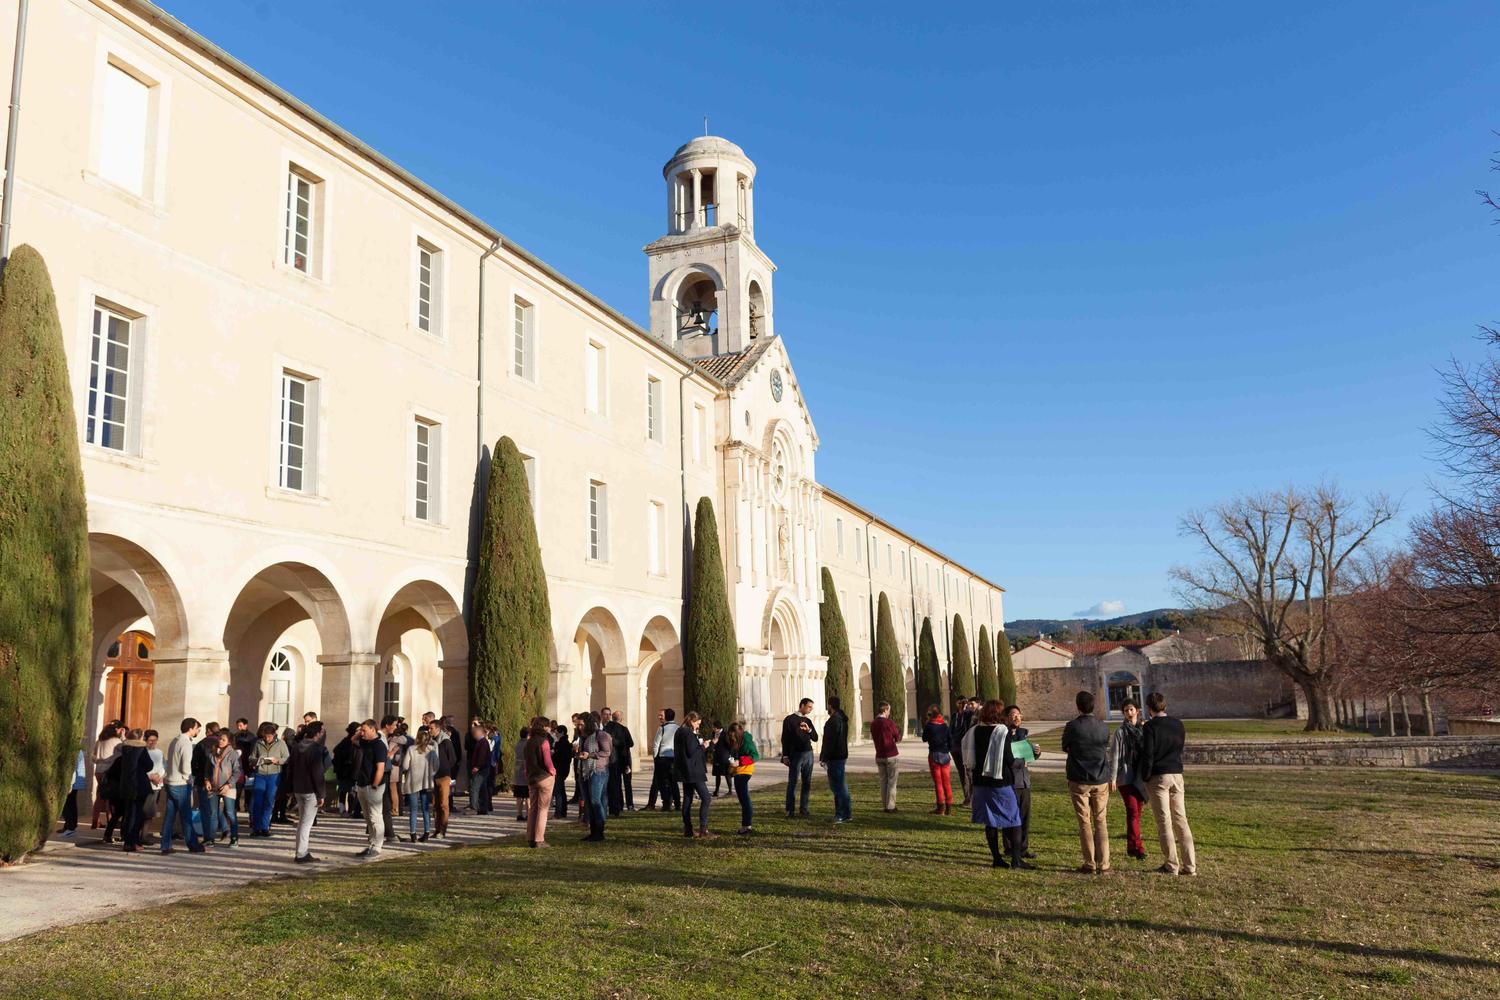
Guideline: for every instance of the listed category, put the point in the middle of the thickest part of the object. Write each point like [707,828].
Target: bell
[696,320]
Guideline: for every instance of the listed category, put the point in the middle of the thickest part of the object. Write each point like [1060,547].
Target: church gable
[761,383]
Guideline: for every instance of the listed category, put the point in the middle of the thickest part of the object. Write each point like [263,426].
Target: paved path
[83,879]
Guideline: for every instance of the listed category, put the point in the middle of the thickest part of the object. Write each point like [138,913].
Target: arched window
[279,689]
[390,690]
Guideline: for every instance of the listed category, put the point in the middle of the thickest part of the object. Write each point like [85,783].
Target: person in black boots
[688,762]
[562,760]
[1022,783]
[987,754]
[343,772]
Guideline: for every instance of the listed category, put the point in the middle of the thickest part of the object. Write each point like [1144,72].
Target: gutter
[479,362]
[12,133]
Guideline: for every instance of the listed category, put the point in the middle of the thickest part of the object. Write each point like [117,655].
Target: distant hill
[1162,618]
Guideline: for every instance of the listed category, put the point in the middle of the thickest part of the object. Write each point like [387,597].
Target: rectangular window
[126,116]
[903,565]
[299,241]
[426,452]
[298,427]
[108,418]
[593,378]
[838,534]
[523,348]
[598,547]
[699,432]
[888,564]
[653,409]
[656,530]
[858,547]
[529,464]
[429,288]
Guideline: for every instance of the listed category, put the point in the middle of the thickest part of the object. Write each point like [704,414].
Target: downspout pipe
[12,131]
[479,361]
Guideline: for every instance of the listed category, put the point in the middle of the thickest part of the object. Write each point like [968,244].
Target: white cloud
[1104,609]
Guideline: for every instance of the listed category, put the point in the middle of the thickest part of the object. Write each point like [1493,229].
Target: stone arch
[130,589]
[661,682]
[602,653]
[866,697]
[913,710]
[785,638]
[423,623]
[274,600]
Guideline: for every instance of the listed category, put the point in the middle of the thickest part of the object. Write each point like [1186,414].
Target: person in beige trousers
[1085,740]
[1161,768]
[885,734]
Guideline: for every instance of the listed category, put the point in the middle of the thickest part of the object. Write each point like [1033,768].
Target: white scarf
[994,757]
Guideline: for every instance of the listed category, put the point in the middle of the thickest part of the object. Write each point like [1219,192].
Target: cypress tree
[929,678]
[510,641]
[1007,669]
[963,662]
[710,663]
[989,681]
[927,661]
[46,611]
[839,681]
[887,679]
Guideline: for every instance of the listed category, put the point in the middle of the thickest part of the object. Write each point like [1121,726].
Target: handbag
[943,759]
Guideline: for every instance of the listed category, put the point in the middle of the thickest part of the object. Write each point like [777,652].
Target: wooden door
[129,676]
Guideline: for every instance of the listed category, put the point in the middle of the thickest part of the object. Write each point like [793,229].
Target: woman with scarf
[987,755]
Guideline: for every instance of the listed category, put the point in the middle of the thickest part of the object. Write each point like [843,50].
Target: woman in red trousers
[939,742]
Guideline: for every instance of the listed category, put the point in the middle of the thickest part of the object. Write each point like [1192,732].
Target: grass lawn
[1312,884]
[1224,729]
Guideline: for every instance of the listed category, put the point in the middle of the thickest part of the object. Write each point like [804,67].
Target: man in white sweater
[179,784]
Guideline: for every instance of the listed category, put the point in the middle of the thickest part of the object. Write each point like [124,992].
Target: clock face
[776,384]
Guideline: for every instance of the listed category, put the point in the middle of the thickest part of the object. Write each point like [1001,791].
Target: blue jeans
[419,801]
[208,808]
[597,783]
[742,792]
[179,807]
[262,801]
[798,765]
[842,807]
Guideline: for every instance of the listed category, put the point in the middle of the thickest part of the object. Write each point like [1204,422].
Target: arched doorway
[660,662]
[424,653]
[866,700]
[600,645]
[132,593]
[129,674]
[1120,685]
[914,712]
[290,608]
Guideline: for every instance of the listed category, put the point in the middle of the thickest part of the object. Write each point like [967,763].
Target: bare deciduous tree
[1273,562]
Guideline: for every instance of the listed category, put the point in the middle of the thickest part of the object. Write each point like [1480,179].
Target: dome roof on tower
[711,145]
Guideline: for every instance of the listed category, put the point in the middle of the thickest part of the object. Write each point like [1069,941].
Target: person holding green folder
[1024,752]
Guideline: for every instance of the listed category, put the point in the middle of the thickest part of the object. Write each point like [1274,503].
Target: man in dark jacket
[243,740]
[479,772]
[343,772]
[834,757]
[620,793]
[962,721]
[1161,769]
[562,760]
[797,737]
[310,760]
[128,783]
[203,794]
[1086,742]
[688,765]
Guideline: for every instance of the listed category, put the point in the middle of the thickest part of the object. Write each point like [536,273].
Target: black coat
[687,762]
[835,737]
[308,764]
[128,778]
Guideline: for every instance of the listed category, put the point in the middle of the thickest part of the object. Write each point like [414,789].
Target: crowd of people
[379,771]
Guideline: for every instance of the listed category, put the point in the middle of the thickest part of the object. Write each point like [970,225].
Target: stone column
[189,683]
[456,690]
[698,216]
[349,688]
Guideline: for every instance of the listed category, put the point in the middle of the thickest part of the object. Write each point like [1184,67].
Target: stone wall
[1048,693]
[1220,689]
[1473,727]
[1436,751]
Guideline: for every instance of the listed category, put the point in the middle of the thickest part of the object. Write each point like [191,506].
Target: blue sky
[1050,275]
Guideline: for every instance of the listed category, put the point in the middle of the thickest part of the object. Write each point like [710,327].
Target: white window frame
[596,377]
[320,230]
[656,417]
[838,534]
[392,678]
[103,309]
[656,537]
[281,661]
[700,432]
[523,338]
[437,286]
[596,524]
[158,115]
[315,433]
[435,462]
[859,555]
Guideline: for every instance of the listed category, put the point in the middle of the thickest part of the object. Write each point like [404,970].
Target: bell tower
[710,283]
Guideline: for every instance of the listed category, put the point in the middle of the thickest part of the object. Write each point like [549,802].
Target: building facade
[289,358]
